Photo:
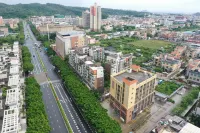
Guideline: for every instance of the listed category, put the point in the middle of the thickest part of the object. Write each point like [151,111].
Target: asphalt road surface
[77,124]
[55,118]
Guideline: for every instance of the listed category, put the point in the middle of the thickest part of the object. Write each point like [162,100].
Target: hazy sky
[181,6]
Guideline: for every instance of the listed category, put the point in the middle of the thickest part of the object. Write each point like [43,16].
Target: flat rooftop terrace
[139,76]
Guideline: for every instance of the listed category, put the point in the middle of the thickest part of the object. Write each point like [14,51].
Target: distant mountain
[197,14]
[25,10]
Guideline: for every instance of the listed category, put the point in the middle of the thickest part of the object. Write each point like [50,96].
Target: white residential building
[14,70]
[10,121]
[14,61]
[14,81]
[12,98]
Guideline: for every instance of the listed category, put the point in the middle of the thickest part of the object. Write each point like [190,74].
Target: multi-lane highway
[56,121]
[54,115]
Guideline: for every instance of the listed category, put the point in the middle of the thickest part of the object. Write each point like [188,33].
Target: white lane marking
[73,109]
[57,87]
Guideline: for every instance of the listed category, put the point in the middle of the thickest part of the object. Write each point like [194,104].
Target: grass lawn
[152,44]
[167,87]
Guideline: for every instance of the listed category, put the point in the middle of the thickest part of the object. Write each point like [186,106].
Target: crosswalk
[54,81]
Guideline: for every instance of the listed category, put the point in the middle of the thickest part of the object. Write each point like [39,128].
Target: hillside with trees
[36,9]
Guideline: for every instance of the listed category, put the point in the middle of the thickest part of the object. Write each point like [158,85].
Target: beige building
[13,22]
[131,92]
[4,30]
[82,60]
[53,28]
[69,40]
[95,17]
[167,62]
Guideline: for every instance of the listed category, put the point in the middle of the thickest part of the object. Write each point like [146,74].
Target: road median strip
[56,98]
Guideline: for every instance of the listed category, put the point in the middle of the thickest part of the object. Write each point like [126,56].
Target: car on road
[33,55]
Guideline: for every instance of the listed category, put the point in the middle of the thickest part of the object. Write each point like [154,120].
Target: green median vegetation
[90,107]
[26,57]
[37,121]
[186,101]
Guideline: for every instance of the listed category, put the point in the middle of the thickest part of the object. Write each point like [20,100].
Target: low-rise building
[170,64]
[12,98]
[189,128]
[167,62]
[10,121]
[4,30]
[179,51]
[193,51]
[14,81]
[69,40]
[193,71]
[90,40]
[13,22]
[131,91]
[53,28]
[14,70]
[116,62]
[83,62]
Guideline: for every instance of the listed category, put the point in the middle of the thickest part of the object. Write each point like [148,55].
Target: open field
[152,44]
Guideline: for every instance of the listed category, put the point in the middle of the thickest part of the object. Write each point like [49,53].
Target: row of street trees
[43,38]
[37,121]
[26,57]
[186,101]
[85,99]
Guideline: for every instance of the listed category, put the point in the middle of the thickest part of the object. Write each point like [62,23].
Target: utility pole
[48,31]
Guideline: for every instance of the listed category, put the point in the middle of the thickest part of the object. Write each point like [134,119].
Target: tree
[26,57]
[86,100]
[27,67]
[37,120]
[195,119]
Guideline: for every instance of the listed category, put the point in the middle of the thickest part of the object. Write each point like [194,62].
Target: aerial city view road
[100,66]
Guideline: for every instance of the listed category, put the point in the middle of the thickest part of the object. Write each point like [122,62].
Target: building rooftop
[12,97]
[89,62]
[14,69]
[10,121]
[3,76]
[14,61]
[139,76]
[71,33]
[189,128]
[13,80]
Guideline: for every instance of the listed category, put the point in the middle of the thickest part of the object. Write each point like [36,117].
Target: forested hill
[25,10]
